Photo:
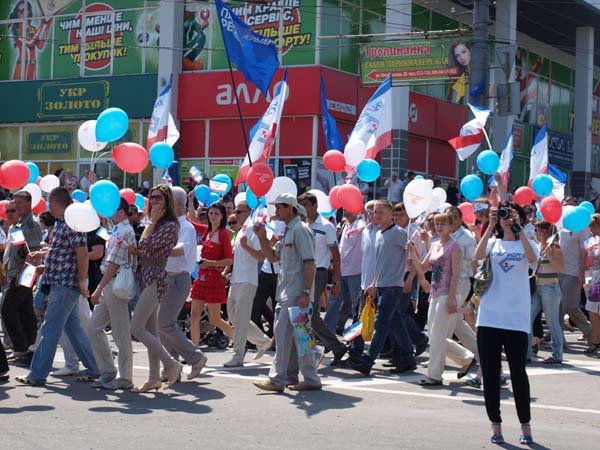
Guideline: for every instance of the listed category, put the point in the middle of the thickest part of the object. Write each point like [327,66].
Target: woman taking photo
[444,259]
[209,287]
[547,289]
[156,243]
[503,318]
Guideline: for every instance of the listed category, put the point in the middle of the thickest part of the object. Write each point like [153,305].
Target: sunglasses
[155,197]
[10,210]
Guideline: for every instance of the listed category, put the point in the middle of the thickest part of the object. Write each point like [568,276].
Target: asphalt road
[223,410]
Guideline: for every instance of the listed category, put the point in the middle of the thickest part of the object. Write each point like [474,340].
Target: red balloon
[130,157]
[468,213]
[128,195]
[551,209]
[14,174]
[523,196]
[351,198]
[3,209]
[334,160]
[260,178]
[334,197]
[40,207]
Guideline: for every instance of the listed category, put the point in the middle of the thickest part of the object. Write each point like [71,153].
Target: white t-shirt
[507,303]
[187,237]
[394,190]
[325,238]
[572,246]
[245,267]
[468,244]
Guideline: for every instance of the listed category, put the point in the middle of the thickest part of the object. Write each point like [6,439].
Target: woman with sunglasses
[209,287]
[155,246]
[503,318]
[547,289]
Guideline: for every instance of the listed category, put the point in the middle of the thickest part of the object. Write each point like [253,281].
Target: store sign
[63,100]
[424,59]
[57,142]
[36,101]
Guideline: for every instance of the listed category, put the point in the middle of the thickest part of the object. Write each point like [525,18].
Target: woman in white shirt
[503,318]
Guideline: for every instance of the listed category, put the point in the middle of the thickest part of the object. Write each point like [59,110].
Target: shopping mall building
[63,62]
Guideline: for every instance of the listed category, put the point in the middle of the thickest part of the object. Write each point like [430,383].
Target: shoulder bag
[124,286]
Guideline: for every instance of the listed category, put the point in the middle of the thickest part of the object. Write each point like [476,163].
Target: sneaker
[118,384]
[235,361]
[197,367]
[105,378]
[261,350]
[64,372]
[268,386]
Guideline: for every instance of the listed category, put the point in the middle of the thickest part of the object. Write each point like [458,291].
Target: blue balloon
[213,198]
[419,177]
[34,172]
[202,193]
[368,170]
[111,125]
[542,185]
[577,219]
[488,162]
[161,155]
[140,202]
[589,206]
[78,195]
[538,215]
[222,178]
[471,187]
[195,272]
[105,197]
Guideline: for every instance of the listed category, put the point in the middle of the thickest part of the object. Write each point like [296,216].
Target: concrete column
[505,30]
[169,62]
[582,133]
[398,18]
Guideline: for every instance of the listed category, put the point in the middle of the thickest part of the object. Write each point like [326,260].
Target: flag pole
[239,109]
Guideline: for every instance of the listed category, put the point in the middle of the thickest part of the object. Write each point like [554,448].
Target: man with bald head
[180,265]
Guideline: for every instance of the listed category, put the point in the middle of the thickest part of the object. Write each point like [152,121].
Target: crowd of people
[463,293]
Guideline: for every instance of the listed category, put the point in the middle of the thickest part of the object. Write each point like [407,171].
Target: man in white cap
[296,253]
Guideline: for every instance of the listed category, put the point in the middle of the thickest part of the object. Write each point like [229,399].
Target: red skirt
[209,287]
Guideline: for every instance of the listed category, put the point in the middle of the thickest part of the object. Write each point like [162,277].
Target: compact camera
[503,213]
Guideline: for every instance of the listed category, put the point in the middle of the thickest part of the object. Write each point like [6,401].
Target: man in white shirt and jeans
[244,282]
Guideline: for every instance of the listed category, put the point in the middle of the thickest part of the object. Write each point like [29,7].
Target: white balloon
[417,197]
[355,152]
[87,137]
[241,197]
[323,204]
[281,185]
[49,182]
[81,217]
[35,192]
[437,199]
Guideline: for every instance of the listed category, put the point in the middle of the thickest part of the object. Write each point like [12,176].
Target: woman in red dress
[209,287]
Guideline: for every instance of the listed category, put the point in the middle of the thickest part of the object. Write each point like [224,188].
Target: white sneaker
[197,367]
[64,372]
[260,351]
[236,361]
[118,383]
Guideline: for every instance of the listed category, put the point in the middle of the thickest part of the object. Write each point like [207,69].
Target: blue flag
[333,141]
[255,55]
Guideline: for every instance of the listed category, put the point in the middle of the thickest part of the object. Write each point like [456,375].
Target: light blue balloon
[78,195]
[105,197]
[488,162]
[419,177]
[140,202]
[161,155]
[329,213]
[195,272]
[538,215]
[368,170]
[471,187]
[252,201]
[202,193]
[111,125]
[222,178]
[577,219]
[542,185]
[589,206]
[34,172]
[213,198]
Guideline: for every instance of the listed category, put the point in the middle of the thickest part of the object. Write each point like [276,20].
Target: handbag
[483,278]
[592,285]
[367,318]
[124,286]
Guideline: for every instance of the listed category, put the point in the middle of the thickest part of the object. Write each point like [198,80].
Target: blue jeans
[390,320]
[547,297]
[350,291]
[62,312]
